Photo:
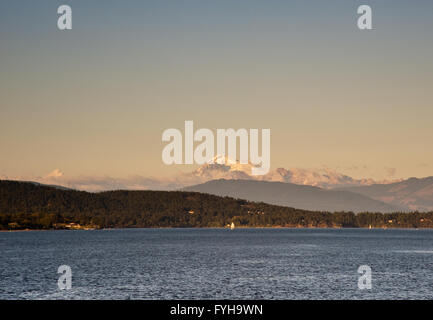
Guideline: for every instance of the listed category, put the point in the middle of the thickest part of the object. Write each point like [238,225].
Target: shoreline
[276,227]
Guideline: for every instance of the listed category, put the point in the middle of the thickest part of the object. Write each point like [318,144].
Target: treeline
[25,205]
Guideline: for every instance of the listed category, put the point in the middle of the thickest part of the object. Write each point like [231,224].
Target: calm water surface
[217,264]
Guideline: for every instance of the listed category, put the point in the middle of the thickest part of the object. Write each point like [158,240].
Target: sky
[94,100]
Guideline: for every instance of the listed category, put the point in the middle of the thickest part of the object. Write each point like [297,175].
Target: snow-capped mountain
[223,168]
[411,194]
[219,168]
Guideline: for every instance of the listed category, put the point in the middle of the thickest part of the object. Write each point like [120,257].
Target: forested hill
[25,205]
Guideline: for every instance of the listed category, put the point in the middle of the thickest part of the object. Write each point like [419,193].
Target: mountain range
[411,194]
[323,189]
[319,177]
[320,189]
[293,195]
[322,177]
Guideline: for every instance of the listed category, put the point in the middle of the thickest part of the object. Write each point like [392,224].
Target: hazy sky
[95,100]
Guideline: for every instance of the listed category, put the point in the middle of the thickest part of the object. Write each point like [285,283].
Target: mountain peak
[223,167]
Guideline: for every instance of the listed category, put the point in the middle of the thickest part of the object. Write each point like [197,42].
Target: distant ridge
[413,193]
[49,185]
[293,195]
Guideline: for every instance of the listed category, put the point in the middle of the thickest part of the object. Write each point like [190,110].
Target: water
[217,264]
